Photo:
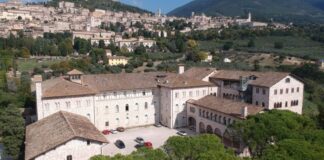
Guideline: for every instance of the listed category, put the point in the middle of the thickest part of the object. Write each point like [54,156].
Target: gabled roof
[180,81]
[263,79]
[75,72]
[199,72]
[226,106]
[65,88]
[57,129]
[124,81]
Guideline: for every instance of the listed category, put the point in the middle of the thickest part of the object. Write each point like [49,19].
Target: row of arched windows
[214,117]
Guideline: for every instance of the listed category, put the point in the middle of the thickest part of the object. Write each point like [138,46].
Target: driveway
[157,136]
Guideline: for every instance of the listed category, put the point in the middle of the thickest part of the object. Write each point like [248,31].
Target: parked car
[105,132]
[182,133]
[157,125]
[139,140]
[148,145]
[139,145]
[113,131]
[120,129]
[120,144]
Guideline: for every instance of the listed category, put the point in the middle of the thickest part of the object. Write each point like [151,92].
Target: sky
[153,5]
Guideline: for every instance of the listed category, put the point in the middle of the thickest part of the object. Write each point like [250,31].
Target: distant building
[321,63]
[117,60]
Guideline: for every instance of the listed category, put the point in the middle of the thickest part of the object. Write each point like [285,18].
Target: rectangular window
[58,106]
[297,89]
[190,94]
[88,142]
[69,157]
[176,95]
[144,93]
[263,91]
[68,105]
[275,92]
[78,103]
[184,94]
[281,91]
[204,92]
[287,90]
[107,124]
[197,93]
[257,90]
[292,90]
[47,107]
[88,103]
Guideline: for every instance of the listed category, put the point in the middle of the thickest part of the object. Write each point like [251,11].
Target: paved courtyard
[157,136]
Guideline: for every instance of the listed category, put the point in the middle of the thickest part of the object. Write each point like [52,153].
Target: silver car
[139,140]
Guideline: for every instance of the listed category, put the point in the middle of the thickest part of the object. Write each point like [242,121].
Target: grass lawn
[29,64]
[293,46]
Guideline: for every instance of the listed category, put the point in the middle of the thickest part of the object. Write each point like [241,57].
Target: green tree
[293,149]
[25,53]
[101,44]
[278,45]
[202,55]
[198,147]
[140,50]
[12,131]
[251,43]
[228,45]
[261,130]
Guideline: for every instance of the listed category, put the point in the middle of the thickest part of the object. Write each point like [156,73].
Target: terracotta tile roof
[199,72]
[74,72]
[57,129]
[124,81]
[65,88]
[226,106]
[180,81]
[264,79]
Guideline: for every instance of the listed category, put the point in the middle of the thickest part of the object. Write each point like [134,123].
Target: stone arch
[192,123]
[218,132]
[202,127]
[209,129]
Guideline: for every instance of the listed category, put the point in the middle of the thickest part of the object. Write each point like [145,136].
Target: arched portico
[209,129]
[218,132]
[192,123]
[202,127]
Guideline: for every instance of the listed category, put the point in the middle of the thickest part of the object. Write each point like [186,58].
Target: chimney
[181,68]
[244,111]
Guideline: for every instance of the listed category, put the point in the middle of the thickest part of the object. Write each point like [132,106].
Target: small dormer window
[287,80]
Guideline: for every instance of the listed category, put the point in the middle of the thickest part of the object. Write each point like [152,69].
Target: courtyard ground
[157,136]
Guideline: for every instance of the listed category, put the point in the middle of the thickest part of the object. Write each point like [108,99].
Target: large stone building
[271,90]
[139,99]
[203,99]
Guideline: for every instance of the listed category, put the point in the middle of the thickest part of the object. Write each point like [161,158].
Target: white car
[157,125]
[182,133]
[113,131]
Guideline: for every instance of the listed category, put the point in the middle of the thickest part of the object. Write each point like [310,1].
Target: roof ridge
[68,122]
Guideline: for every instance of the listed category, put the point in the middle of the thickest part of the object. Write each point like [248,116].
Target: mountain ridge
[308,10]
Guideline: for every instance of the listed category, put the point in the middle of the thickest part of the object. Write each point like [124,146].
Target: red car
[106,132]
[148,145]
